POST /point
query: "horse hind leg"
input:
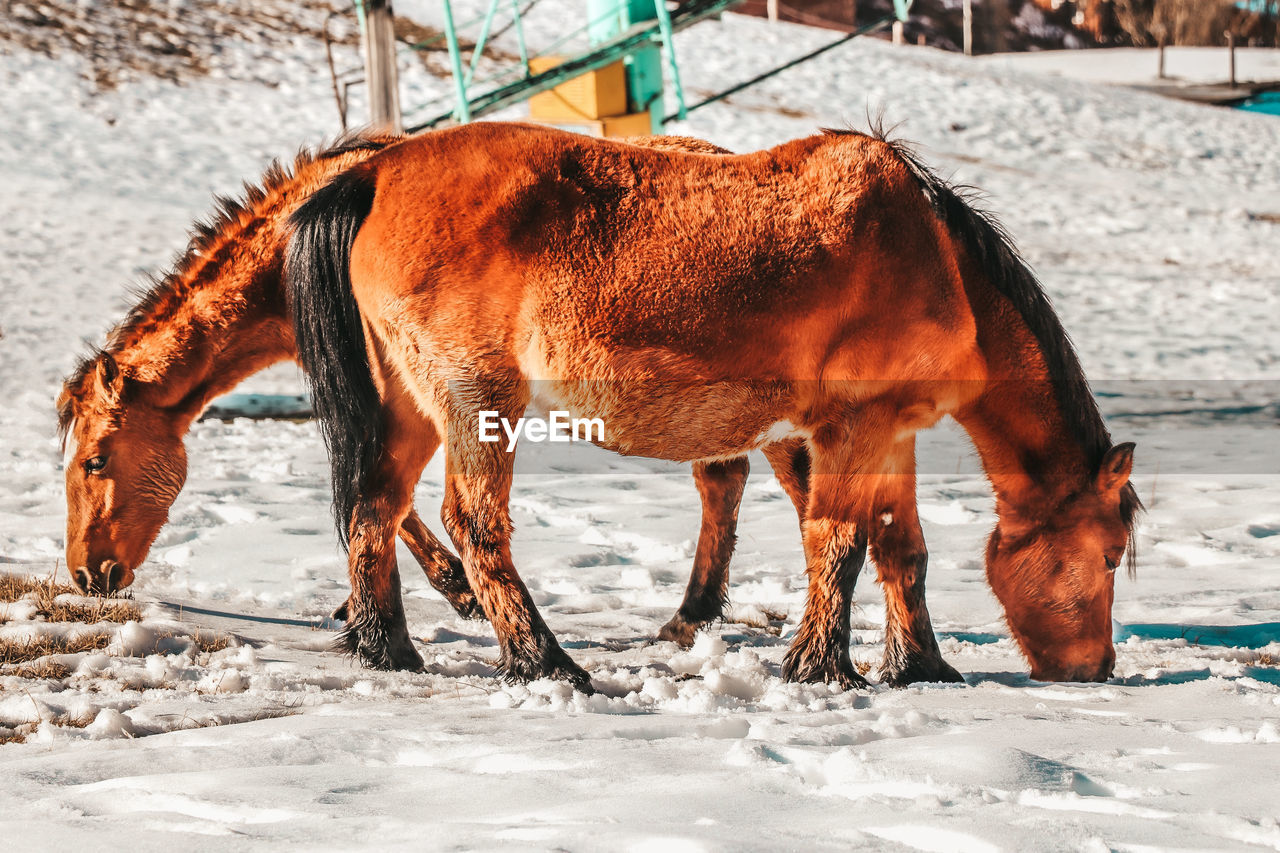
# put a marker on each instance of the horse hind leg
(444, 571)
(898, 550)
(790, 462)
(376, 631)
(720, 486)
(476, 515)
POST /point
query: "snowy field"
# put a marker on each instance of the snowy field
(213, 718)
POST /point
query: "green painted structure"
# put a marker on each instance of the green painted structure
(638, 32)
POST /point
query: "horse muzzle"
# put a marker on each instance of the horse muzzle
(111, 576)
(1101, 671)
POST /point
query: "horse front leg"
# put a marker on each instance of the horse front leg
(720, 486)
(476, 515)
(898, 550)
(835, 547)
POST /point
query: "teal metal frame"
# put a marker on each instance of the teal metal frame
(659, 31)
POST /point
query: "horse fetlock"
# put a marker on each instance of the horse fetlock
(456, 589)
(466, 605)
(378, 640)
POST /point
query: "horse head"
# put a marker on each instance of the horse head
(124, 464)
(1055, 575)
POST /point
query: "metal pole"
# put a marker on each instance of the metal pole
(478, 50)
(524, 51)
(968, 27)
(380, 66)
(463, 111)
(669, 43)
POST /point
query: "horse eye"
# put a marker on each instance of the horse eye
(94, 465)
(1112, 565)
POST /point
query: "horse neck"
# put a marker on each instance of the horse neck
(1017, 422)
(229, 323)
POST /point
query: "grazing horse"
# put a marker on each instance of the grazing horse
(831, 289)
(219, 317)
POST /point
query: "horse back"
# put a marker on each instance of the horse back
(772, 259)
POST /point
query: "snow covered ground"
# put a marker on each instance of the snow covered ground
(1154, 225)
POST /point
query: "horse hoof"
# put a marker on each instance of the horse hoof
(379, 645)
(679, 631)
(554, 664)
(823, 671)
(921, 670)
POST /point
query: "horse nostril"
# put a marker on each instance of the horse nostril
(113, 575)
(82, 579)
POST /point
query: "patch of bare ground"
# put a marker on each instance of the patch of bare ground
(126, 39)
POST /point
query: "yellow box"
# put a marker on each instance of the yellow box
(591, 95)
(633, 124)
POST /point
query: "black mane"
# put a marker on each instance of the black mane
(991, 248)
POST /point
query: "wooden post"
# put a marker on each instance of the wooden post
(1160, 68)
(380, 66)
(898, 36)
(968, 27)
(1231, 52)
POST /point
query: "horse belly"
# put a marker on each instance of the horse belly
(677, 421)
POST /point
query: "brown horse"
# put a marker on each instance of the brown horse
(831, 289)
(221, 316)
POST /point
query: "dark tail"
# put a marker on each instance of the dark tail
(331, 345)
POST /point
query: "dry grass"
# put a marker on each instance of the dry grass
(773, 625)
(15, 587)
(862, 666)
(39, 669)
(45, 592)
(29, 649)
(19, 732)
(210, 641)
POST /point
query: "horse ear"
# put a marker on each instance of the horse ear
(1116, 467)
(110, 381)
